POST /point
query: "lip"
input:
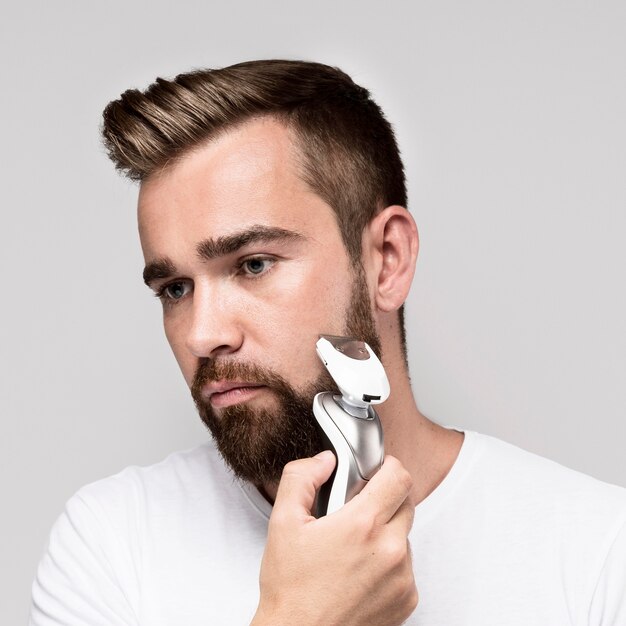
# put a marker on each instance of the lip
(226, 392)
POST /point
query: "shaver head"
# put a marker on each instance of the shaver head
(355, 368)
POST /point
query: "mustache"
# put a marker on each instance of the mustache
(214, 370)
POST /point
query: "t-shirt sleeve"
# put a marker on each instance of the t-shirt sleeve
(608, 607)
(76, 582)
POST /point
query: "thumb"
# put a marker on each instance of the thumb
(299, 482)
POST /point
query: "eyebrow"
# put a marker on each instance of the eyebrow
(208, 249)
(158, 270)
(227, 244)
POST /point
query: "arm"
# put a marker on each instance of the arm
(352, 567)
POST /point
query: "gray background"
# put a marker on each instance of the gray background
(511, 118)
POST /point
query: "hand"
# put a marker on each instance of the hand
(352, 567)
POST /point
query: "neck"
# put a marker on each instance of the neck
(426, 449)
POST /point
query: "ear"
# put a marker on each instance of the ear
(390, 247)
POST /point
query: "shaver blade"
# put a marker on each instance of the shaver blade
(349, 346)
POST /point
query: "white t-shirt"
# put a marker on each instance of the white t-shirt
(508, 538)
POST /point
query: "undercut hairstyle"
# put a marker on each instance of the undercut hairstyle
(347, 149)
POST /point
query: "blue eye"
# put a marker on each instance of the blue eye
(256, 265)
(174, 291)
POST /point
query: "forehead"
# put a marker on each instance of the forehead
(247, 175)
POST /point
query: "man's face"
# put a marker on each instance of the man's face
(251, 269)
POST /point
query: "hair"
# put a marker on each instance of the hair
(349, 155)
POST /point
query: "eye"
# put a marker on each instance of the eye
(174, 291)
(256, 265)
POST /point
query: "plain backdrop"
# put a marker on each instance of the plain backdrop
(511, 117)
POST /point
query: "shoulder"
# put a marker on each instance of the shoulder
(114, 533)
(113, 516)
(580, 516)
(570, 526)
(100, 540)
(515, 470)
(187, 476)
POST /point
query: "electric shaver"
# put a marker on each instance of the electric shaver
(348, 424)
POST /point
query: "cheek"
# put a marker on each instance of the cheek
(308, 298)
(292, 316)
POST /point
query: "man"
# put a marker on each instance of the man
(272, 209)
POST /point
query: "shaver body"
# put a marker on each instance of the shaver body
(356, 441)
(348, 424)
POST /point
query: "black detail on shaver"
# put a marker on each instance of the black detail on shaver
(368, 398)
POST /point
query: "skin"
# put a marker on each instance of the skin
(247, 177)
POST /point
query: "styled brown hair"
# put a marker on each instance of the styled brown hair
(349, 153)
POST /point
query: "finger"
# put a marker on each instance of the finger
(384, 493)
(403, 518)
(299, 482)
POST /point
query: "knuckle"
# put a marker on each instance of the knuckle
(363, 526)
(294, 474)
(409, 555)
(410, 596)
(392, 463)
(404, 478)
(293, 468)
(401, 475)
(278, 519)
(411, 511)
(394, 552)
(412, 599)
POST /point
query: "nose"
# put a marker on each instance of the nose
(214, 328)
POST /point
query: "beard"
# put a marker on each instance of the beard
(257, 443)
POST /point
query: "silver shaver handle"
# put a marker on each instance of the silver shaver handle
(357, 443)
